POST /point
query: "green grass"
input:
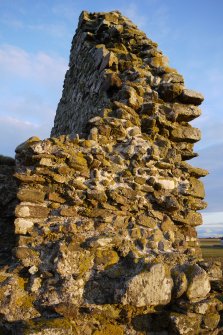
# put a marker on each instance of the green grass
(212, 249)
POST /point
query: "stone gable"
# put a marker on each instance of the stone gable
(108, 205)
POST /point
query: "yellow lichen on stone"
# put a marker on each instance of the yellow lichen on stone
(51, 324)
(2, 278)
(106, 257)
(110, 330)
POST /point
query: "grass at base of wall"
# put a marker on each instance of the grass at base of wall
(212, 248)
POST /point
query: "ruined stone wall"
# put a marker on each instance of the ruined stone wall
(8, 202)
(106, 221)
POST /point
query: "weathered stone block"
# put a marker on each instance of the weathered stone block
(185, 112)
(37, 211)
(29, 178)
(191, 97)
(198, 283)
(170, 91)
(31, 195)
(196, 188)
(22, 226)
(15, 302)
(150, 288)
(211, 321)
(185, 324)
(187, 134)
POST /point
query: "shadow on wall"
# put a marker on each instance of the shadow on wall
(123, 283)
(8, 202)
(108, 286)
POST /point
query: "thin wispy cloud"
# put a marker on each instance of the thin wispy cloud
(160, 21)
(12, 22)
(28, 109)
(31, 111)
(14, 130)
(155, 21)
(215, 80)
(211, 129)
(213, 218)
(210, 159)
(16, 122)
(132, 12)
(57, 30)
(40, 66)
(207, 232)
(213, 225)
(209, 80)
(68, 12)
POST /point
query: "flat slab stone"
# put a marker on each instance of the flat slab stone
(191, 97)
(186, 134)
(186, 112)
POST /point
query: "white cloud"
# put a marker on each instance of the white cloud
(215, 218)
(212, 226)
(16, 122)
(29, 108)
(14, 131)
(214, 232)
(14, 60)
(31, 86)
(41, 66)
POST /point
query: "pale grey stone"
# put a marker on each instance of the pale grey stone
(22, 226)
(149, 288)
(198, 283)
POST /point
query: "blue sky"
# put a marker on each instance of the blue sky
(35, 39)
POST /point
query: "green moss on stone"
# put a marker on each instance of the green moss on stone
(110, 330)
